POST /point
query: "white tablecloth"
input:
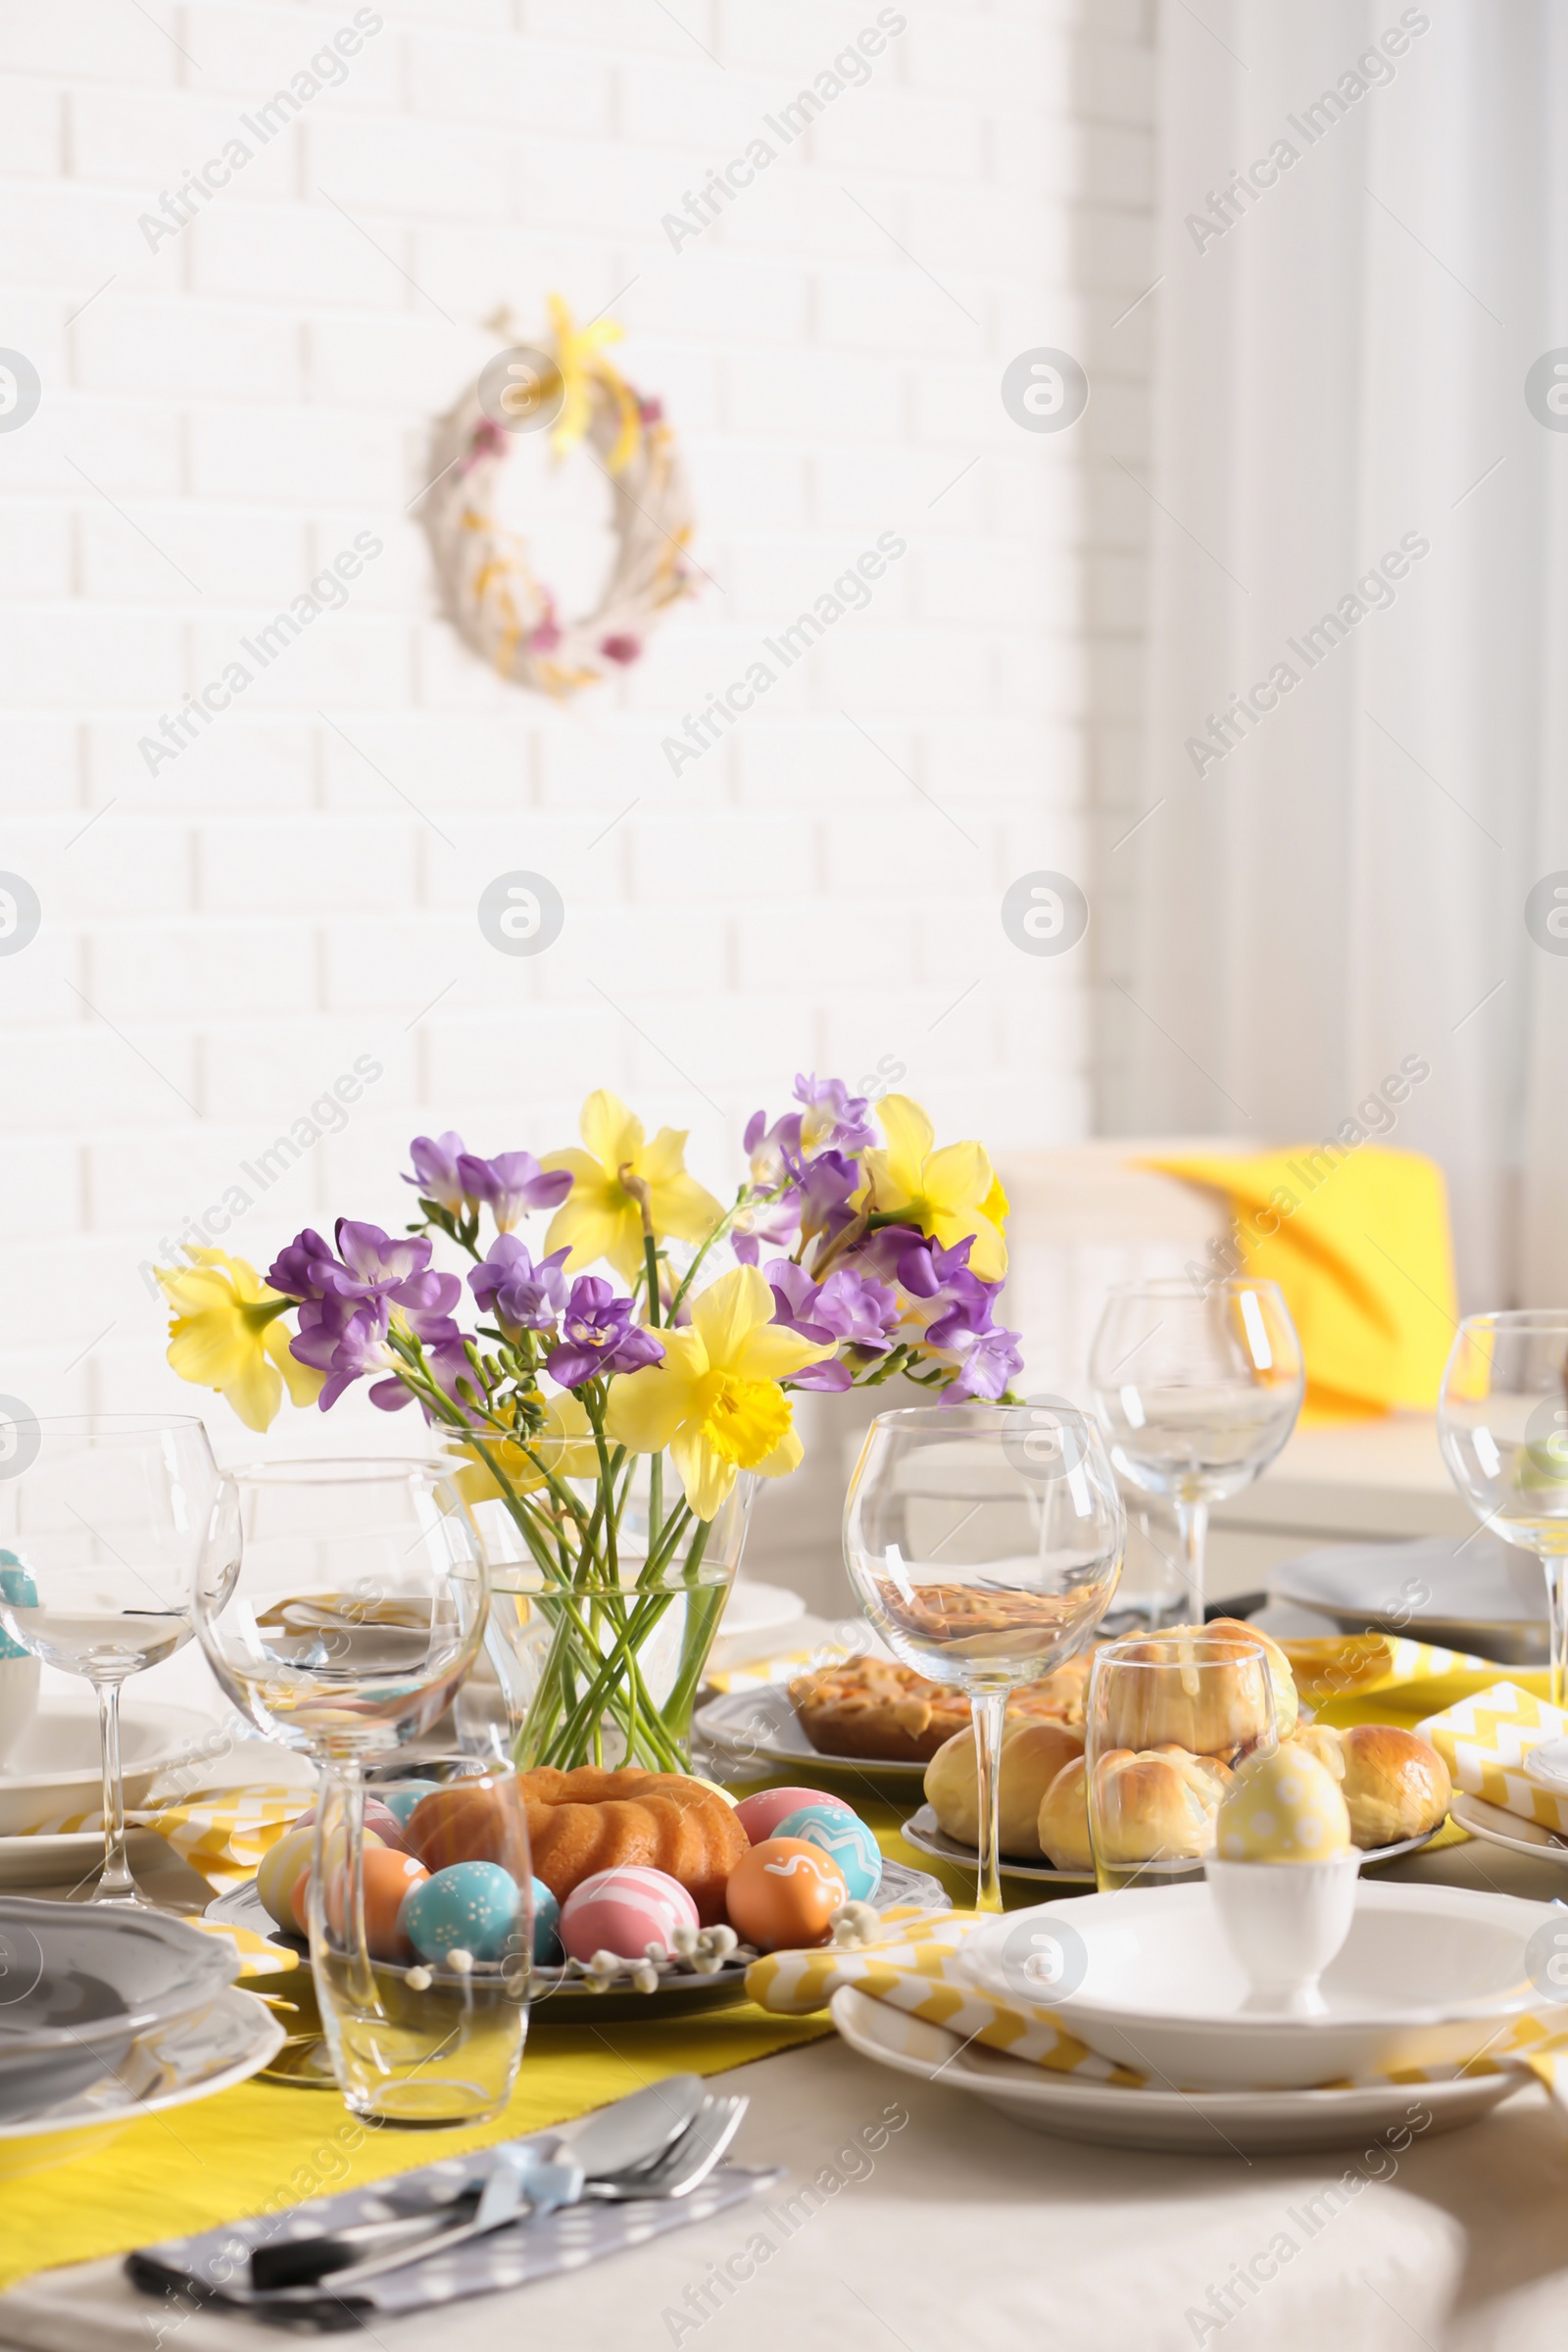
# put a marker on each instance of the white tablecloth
(966, 2230)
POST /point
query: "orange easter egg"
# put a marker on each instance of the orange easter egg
(299, 1894)
(782, 1895)
(388, 1878)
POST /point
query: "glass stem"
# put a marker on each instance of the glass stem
(988, 1708)
(1553, 1566)
(350, 1782)
(1191, 1525)
(117, 1886)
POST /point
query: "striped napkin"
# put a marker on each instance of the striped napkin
(1483, 1742)
(914, 1967)
(223, 1833)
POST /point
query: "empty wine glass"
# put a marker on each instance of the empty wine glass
(1197, 1390)
(1503, 1423)
(984, 1543)
(103, 1518)
(1168, 1718)
(340, 1605)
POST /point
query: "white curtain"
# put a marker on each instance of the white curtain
(1333, 886)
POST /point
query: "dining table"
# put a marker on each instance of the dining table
(903, 2213)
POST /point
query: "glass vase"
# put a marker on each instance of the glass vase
(606, 1597)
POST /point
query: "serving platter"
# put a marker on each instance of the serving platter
(1205, 2122)
(559, 1998)
(760, 1728)
(1499, 1827)
(926, 1835)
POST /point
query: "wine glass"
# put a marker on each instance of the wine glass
(1197, 1390)
(103, 1519)
(1503, 1423)
(1168, 1718)
(340, 1605)
(984, 1543)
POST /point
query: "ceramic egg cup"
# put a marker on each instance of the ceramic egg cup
(1284, 1921)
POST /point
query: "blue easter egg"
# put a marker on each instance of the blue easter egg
(547, 1948)
(845, 1838)
(399, 1802)
(470, 1906)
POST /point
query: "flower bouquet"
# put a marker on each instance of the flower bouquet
(606, 1435)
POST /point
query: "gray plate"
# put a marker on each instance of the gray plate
(1471, 1593)
(923, 1832)
(560, 1999)
(760, 1728)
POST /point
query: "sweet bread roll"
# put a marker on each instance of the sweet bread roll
(1032, 1755)
(1153, 1803)
(1393, 1784)
(1201, 1702)
(1063, 1828)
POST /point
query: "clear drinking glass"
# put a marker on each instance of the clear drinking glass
(1167, 1719)
(984, 1543)
(1503, 1423)
(341, 1604)
(426, 2019)
(1197, 1390)
(104, 1517)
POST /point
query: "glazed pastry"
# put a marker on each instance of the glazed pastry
(1032, 1755)
(1395, 1786)
(1153, 1804)
(871, 1707)
(1213, 1713)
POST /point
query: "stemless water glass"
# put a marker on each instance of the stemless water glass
(984, 1543)
(104, 1516)
(340, 1605)
(1197, 1390)
(1503, 1423)
(1169, 1717)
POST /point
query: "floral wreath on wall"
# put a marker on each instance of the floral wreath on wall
(490, 591)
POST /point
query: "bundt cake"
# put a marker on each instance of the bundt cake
(589, 1819)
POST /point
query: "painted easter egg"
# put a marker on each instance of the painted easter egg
(624, 1911)
(760, 1815)
(389, 1878)
(479, 1820)
(281, 1866)
(401, 1801)
(377, 1817)
(299, 1894)
(470, 1906)
(845, 1838)
(547, 1948)
(782, 1895)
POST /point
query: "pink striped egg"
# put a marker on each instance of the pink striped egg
(624, 1911)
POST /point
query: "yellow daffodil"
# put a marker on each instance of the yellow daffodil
(716, 1400)
(227, 1335)
(949, 1194)
(599, 1217)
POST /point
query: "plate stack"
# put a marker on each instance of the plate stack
(111, 2013)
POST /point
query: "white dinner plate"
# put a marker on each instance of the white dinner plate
(926, 1835)
(1470, 1592)
(1206, 2123)
(183, 2062)
(1428, 1976)
(757, 1609)
(1501, 1828)
(759, 1727)
(56, 1767)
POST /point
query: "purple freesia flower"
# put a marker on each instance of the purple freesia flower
(847, 1308)
(953, 1314)
(773, 1151)
(343, 1339)
(522, 1293)
(349, 1302)
(511, 1184)
(599, 1336)
(829, 1184)
(296, 1270)
(833, 1117)
(987, 1362)
(435, 1168)
(759, 1220)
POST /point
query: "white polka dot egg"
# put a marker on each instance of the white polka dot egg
(470, 1907)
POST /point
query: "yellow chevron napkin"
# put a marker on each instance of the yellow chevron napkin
(223, 1833)
(1483, 1742)
(913, 1967)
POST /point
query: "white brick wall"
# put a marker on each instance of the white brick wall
(224, 412)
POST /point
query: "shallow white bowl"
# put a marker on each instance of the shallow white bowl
(55, 1767)
(18, 1701)
(1427, 1977)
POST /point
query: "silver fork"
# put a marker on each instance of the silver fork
(683, 2168)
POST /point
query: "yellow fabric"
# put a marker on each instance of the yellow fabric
(1484, 1740)
(913, 1970)
(223, 1833)
(1360, 1244)
(262, 2147)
